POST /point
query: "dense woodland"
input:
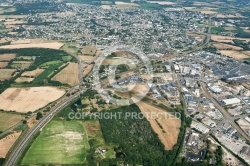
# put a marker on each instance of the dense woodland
(136, 142)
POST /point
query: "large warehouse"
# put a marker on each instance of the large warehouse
(231, 101)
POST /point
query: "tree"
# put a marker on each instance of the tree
(39, 115)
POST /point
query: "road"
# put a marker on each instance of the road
(223, 111)
(15, 154)
(12, 159)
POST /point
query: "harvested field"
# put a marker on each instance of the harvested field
(6, 74)
(13, 119)
(53, 45)
(222, 46)
(87, 70)
(208, 12)
(226, 39)
(31, 41)
(60, 143)
(28, 99)
(235, 54)
(166, 126)
(33, 73)
(21, 64)
(162, 3)
(68, 75)
(107, 7)
(7, 57)
(89, 50)
(7, 142)
(87, 58)
(24, 79)
(3, 64)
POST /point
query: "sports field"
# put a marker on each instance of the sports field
(60, 142)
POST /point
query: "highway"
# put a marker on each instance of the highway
(12, 159)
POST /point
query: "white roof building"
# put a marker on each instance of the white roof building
(231, 101)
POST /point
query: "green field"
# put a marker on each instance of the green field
(8, 120)
(46, 73)
(60, 142)
(47, 64)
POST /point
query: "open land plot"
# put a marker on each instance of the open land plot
(28, 99)
(7, 57)
(12, 119)
(227, 39)
(166, 128)
(3, 64)
(162, 2)
(87, 58)
(31, 41)
(244, 124)
(235, 54)
(60, 142)
(222, 46)
(89, 50)
(21, 64)
(7, 142)
(24, 79)
(68, 75)
(6, 74)
(87, 70)
(53, 45)
(33, 73)
(208, 12)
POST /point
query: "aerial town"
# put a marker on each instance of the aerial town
(189, 60)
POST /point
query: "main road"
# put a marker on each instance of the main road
(13, 157)
(223, 111)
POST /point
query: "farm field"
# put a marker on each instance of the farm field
(89, 50)
(28, 99)
(7, 57)
(7, 142)
(87, 70)
(21, 64)
(68, 75)
(236, 54)
(13, 119)
(166, 128)
(24, 79)
(222, 46)
(226, 39)
(86, 58)
(3, 64)
(53, 45)
(33, 73)
(6, 74)
(46, 73)
(60, 142)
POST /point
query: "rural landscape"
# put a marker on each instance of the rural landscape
(128, 82)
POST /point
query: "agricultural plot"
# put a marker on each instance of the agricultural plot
(60, 142)
(87, 58)
(53, 45)
(3, 64)
(166, 126)
(6, 74)
(46, 73)
(28, 99)
(89, 50)
(7, 57)
(50, 63)
(87, 70)
(24, 79)
(68, 75)
(21, 64)
(13, 119)
(33, 73)
(7, 142)
(222, 46)
(236, 54)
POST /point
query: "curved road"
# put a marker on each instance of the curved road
(12, 159)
